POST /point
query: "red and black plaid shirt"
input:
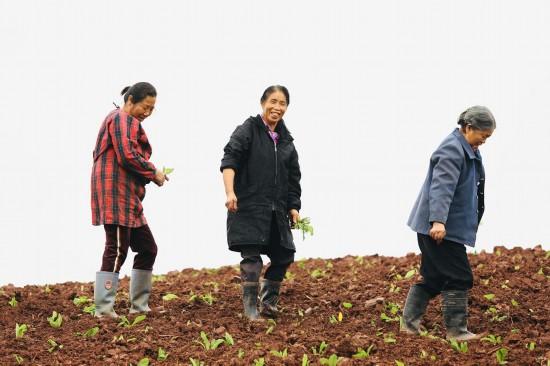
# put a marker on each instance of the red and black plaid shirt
(120, 172)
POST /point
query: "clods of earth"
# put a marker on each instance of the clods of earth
(342, 311)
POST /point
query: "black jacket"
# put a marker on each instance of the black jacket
(267, 179)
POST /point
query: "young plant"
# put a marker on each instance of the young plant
(18, 359)
(55, 320)
(209, 344)
(319, 351)
(347, 305)
(304, 224)
(89, 333)
(143, 362)
(208, 299)
(169, 297)
(259, 362)
(318, 273)
(280, 354)
(389, 338)
(272, 323)
(20, 330)
(333, 360)
(305, 360)
(335, 319)
(530, 346)
(81, 300)
(90, 309)
(167, 171)
(240, 353)
(399, 363)
(125, 323)
(162, 355)
(361, 353)
(54, 345)
(196, 362)
(489, 297)
(502, 355)
(461, 347)
(228, 339)
(13, 302)
(491, 338)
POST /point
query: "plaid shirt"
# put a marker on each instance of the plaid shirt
(120, 172)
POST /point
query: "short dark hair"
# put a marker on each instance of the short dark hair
(477, 117)
(272, 89)
(139, 91)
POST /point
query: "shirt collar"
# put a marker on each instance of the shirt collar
(469, 150)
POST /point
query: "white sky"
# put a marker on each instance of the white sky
(375, 86)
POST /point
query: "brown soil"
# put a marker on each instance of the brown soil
(315, 291)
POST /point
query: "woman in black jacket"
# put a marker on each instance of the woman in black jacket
(261, 175)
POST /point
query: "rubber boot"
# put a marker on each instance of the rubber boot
(455, 314)
(105, 287)
(250, 300)
(140, 290)
(415, 308)
(269, 298)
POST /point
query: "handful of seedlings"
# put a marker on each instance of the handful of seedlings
(304, 224)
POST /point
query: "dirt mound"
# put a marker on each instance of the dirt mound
(331, 310)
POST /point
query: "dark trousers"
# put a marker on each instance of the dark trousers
(281, 258)
(119, 239)
(444, 266)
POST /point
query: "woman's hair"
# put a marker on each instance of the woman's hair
(478, 117)
(139, 91)
(272, 89)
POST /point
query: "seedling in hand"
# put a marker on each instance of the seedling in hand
(167, 171)
(304, 224)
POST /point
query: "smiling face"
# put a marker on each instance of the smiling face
(274, 107)
(142, 109)
(476, 137)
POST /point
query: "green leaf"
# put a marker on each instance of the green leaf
(138, 319)
(305, 361)
(347, 305)
(162, 354)
(55, 320)
(169, 297)
(91, 332)
(399, 363)
(229, 339)
(410, 274)
(20, 330)
(13, 302)
(143, 362)
(489, 296)
(18, 359)
(167, 171)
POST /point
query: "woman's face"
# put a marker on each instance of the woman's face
(476, 137)
(274, 107)
(143, 109)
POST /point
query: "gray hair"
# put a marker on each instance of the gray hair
(477, 117)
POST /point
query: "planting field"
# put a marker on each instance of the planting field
(342, 311)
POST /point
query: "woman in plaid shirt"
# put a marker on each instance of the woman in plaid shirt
(120, 172)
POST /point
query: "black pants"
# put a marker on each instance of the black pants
(281, 258)
(444, 266)
(119, 239)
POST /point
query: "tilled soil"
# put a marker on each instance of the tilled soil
(338, 301)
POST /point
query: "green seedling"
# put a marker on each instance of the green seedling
(18, 359)
(304, 224)
(259, 362)
(399, 363)
(158, 278)
(89, 333)
(301, 264)
(90, 309)
(501, 355)
(410, 274)
(228, 339)
(272, 323)
(208, 299)
(167, 171)
(495, 316)
(196, 362)
(13, 302)
(54, 346)
(321, 350)
(143, 362)
(81, 300)
(335, 319)
(169, 297)
(55, 320)
(47, 289)
(192, 297)
(389, 338)
(305, 360)
(333, 360)
(531, 346)
(347, 305)
(361, 353)
(240, 353)
(162, 355)
(489, 297)
(461, 347)
(125, 323)
(209, 344)
(491, 338)
(289, 276)
(318, 273)
(20, 330)
(394, 289)
(388, 319)
(280, 354)
(515, 303)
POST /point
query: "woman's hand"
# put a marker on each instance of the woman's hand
(231, 202)
(294, 217)
(438, 232)
(159, 178)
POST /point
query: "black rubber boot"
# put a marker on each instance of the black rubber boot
(269, 298)
(455, 314)
(415, 308)
(250, 300)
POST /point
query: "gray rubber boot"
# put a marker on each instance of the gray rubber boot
(140, 290)
(269, 298)
(455, 314)
(415, 308)
(250, 300)
(105, 287)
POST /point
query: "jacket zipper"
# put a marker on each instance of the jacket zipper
(276, 171)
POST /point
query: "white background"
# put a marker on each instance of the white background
(375, 87)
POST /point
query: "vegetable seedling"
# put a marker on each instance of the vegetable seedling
(489, 296)
(347, 305)
(530, 346)
(228, 339)
(502, 355)
(169, 297)
(81, 300)
(259, 362)
(55, 320)
(13, 302)
(333, 360)
(319, 351)
(20, 330)
(280, 354)
(304, 225)
(209, 344)
(305, 360)
(196, 362)
(491, 338)
(162, 355)
(54, 345)
(461, 347)
(361, 353)
(399, 363)
(143, 362)
(167, 171)
(18, 359)
(240, 353)
(90, 309)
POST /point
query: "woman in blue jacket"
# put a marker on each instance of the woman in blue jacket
(446, 216)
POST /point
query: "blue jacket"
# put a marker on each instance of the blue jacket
(452, 192)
